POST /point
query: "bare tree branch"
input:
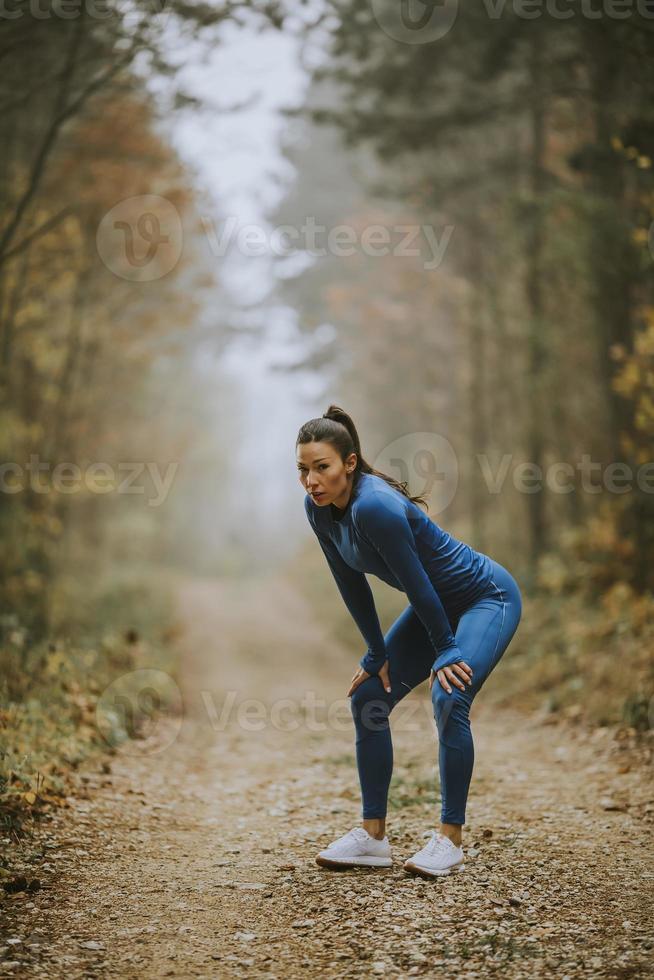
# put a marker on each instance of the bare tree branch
(64, 113)
(41, 230)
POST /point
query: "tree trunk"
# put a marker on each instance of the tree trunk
(536, 341)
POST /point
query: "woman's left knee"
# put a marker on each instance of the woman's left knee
(446, 705)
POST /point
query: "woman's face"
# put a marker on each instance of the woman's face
(323, 474)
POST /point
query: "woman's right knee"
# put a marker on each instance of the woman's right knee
(370, 708)
(366, 691)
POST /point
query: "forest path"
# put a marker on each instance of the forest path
(195, 856)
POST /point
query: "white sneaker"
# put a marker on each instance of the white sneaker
(354, 848)
(439, 856)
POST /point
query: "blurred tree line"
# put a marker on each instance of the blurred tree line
(95, 359)
(532, 140)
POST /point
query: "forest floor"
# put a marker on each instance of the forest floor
(192, 852)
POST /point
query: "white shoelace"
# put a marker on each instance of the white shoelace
(438, 842)
(358, 833)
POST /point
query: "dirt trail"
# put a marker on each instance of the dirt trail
(194, 857)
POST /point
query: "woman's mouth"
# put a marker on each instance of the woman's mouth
(317, 495)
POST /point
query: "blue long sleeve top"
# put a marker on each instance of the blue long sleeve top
(384, 533)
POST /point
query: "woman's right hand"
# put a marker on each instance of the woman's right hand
(361, 675)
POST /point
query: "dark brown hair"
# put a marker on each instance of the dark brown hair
(337, 428)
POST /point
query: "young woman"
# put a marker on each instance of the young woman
(463, 611)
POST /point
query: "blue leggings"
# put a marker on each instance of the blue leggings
(483, 633)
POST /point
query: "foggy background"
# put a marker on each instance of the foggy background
(470, 198)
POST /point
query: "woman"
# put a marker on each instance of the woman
(463, 611)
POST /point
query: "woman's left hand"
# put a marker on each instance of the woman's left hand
(446, 676)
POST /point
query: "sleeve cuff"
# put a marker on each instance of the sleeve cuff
(450, 656)
(372, 662)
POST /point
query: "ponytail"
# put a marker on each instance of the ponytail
(337, 428)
